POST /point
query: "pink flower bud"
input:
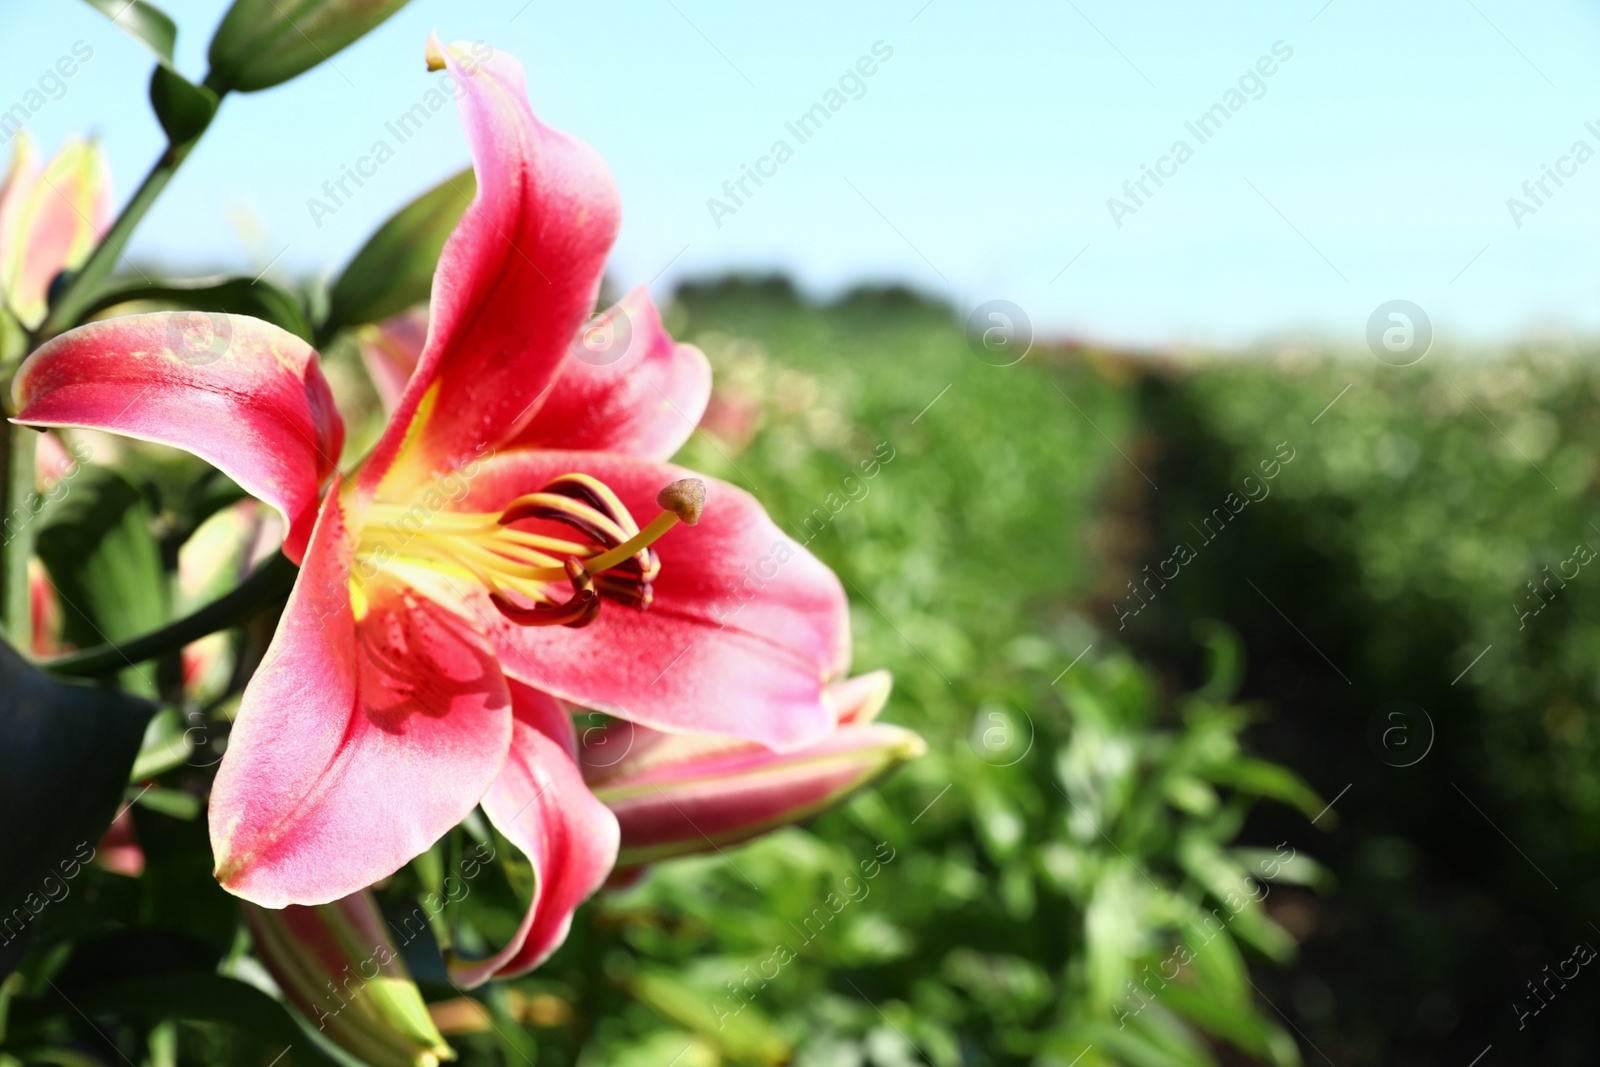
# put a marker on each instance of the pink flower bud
(679, 793)
(51, 217)
(336, 964)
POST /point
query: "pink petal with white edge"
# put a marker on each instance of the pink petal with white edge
(625, 387)
(240, 393)
(359, 743)
(515, 280)
(540, 803)
(746, 629)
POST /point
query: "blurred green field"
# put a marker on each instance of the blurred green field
(1118, 849)
(1065, 833)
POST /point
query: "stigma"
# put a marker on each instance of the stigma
(547, 559)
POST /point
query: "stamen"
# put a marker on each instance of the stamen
(580, 611)
(612, 558)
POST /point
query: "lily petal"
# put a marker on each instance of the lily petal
(360, 741)
(675, 794)
(858, 700)
(240, 393)
(745, 630)
(540, 803)
(515, 280)
(390, 350)
(625, 387)
(712, 800)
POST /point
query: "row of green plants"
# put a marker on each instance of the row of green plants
(1066, 877)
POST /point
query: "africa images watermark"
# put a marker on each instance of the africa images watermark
(1583, 954)
(741, 995)
(1536, 192)
(753, 578)
(403, 128)
(804, 127)
(429, 908)
(1255, 490)
(1203, 128)
(11, 926)
(51, 85)
(1582, 555)
(1144, 992)
(57, 485)
(389, 539)
(855, 491)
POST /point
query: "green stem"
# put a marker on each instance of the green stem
(21, 506)
(269, 581)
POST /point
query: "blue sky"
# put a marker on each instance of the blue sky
(1375, 163)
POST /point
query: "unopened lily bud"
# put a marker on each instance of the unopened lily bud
(336, 964)
(680, 793)
(50, 220)
(262, 43)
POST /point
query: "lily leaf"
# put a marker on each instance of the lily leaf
(394, 269)
(262, 43)
(144, 22)
(65, 752)
(183, 108)
(96, 542)
(236, 296)
(1236, 1024)
(747, 1036)
(262, 1029)
(1265, 779)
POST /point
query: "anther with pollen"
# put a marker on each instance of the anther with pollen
(623, 566)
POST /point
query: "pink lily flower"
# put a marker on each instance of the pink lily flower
(675, 794)
(51, 217)
(485, 561)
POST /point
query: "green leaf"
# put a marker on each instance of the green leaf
(1141, 1042)
(264, 1028)
(142, 21)
(1242, 1027)
(177, 891)
(65, 752)
(13, 339)
(1240, 894)
(183, 108)
(173, 803)
(1112, 933)
(262, 43)
(166, 745)
(1296, 869)
(745, 1035)
(1224, 660)
(1218, 966)
(257, 298)
(394, 269)
(96, 542)
(1269, 780)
